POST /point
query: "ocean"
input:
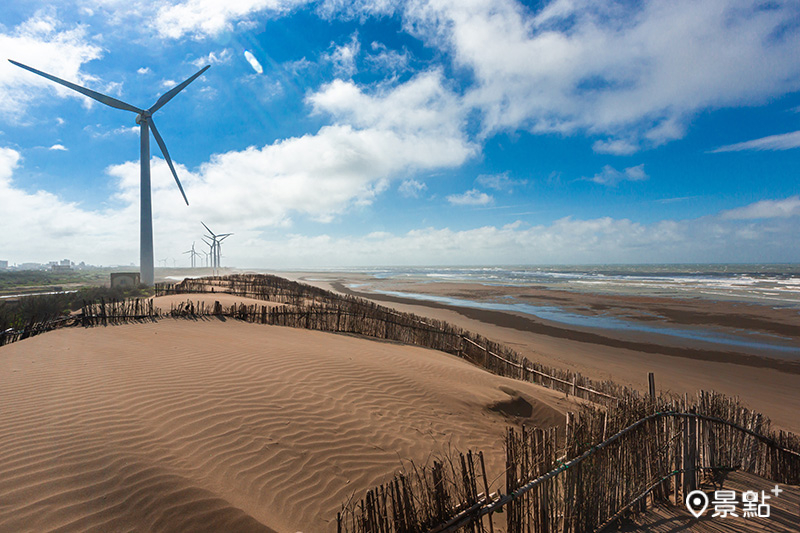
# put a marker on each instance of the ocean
(770, 285)
(775, 285)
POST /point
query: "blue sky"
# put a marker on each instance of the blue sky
(335, 133)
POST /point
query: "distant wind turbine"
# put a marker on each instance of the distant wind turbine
(212, 248)
(194, 254)
(144, 118)
(215, 245)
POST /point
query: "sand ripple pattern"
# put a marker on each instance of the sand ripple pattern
(222, 426)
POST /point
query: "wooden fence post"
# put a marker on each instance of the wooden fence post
(689, 455)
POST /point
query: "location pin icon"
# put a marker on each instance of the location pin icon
(697, 502)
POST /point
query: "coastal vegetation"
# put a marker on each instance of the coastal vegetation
(16, 313)
(22, 281)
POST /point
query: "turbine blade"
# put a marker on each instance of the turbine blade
(167, 96)
(211, 232)
(163, 147)
(102, 98)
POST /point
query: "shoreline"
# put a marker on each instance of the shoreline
(526, 323)
(766, 384)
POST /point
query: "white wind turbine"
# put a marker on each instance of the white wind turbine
(216, 246)
(193, 254)
(144, 118)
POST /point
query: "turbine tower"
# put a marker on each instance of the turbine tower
(144, 117)
(194, 254)
(215, 244)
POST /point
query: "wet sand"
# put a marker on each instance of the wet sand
(765, 381)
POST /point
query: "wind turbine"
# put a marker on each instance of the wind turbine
(216, 245)
(193, 254)
(144, 118)
(211, 255)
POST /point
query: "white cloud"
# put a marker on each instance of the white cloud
(785, 141)
(58, 147)
(788, 207)
(214, 58)
(612, 177)
(268, 185)
(143, 70)
(168, 84)
(43, 43)
(344, 57)
(411, 188)
(208, 18)
(253, 62)
(499, 182)
(567, 240)
(470, 197)
(357, 8)
(615, 147)
(634, 71)
(422, 106)
(59, 228)
(375, 138)
(388, 60)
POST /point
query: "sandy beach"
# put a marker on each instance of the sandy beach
(766, 381)
(228, 426)
(214, 424)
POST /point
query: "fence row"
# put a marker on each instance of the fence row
(34, 328)
(587, 483)
(91, 314)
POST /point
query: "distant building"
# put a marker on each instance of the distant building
(3, 265)
(125, 279)
(65, 265)
(31, 266)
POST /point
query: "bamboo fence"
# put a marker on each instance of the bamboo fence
(92, 314)
(34, 328)
(610, 466)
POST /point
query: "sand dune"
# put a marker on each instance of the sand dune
(227, 426)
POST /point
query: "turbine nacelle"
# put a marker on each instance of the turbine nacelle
(143, 116)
